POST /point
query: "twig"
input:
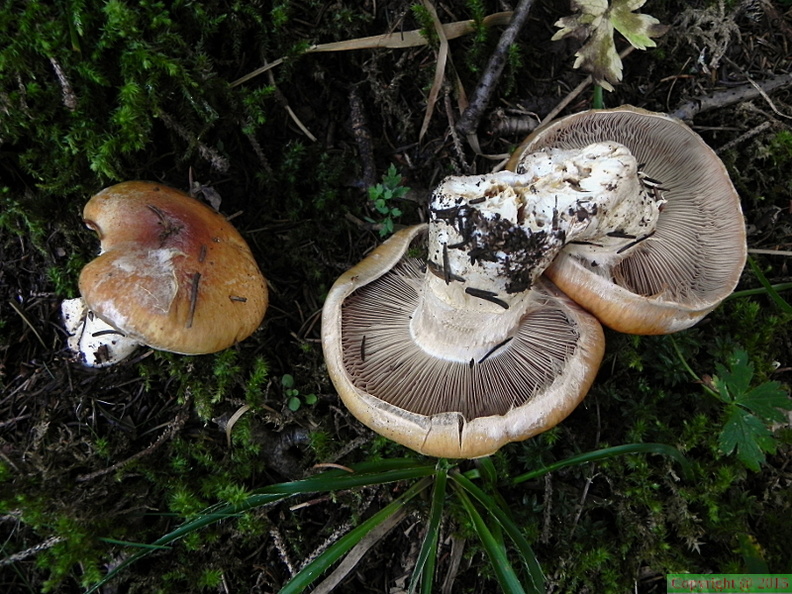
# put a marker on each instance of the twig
(280, 545)
(457, 550)
(743, 137)
(22, 315)
(233, 421)
(47, 544)
(459, 151)
(544, 538)
(362, 135)
(470, 119)
(281, 98)
(770, 252)
(211, 155)
(69, 96)
(718, 99)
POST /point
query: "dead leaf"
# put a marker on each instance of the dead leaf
(595, 24)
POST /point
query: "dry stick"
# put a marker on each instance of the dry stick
(744, 137)
(481, 96)
(34, 550)
(25, 319)
(280, 546)
(362, 135)
(214, 158)
(784, 253)
(69, 97)
(457, 549)
(752, 90)
(281, 98)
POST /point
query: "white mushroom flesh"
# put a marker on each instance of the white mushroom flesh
(94, 342)
(491, 236)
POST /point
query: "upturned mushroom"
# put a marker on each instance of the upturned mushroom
(469, 349)
(172, 274)
(677, 272)
(441, 401)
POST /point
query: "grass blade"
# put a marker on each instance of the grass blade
(760, 291)
(495, 550)
(424, 566)
(315, 568)
(141, 545)
(771, 292)
(368, 473)
(633, 448)
(503, 517)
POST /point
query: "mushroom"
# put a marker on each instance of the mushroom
(471, 349)
(680, 271)
(172, 274)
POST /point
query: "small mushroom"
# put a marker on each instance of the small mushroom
(469, 349)
(671, 276)
(172, 274)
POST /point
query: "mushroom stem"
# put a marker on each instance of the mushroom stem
(491, 236)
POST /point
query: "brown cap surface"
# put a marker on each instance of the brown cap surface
(172, 273)
(441, 407)
(695, 257)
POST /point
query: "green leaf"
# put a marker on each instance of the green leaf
(747, 435)
(782, 304)
(363, 474)
(766, 401)
(737, 378)
(294, 404)
(287, 381)
(536, 582)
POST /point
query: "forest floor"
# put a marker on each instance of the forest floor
(96, 463)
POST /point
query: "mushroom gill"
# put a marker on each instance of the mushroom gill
(382, 357)
(694, 258)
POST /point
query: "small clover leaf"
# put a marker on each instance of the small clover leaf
(595, 23)
(382, 196)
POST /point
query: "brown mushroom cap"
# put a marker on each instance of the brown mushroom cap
(172, 273)
(448, 408)
(695, 257)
